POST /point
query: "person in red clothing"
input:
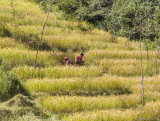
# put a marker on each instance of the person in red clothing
(68, 62)
(79, 59)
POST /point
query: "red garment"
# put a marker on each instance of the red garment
(79, 59)
(68, 62)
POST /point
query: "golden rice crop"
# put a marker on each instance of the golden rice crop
(123, 46)
(75, 41)
(30, 29)
(79, 86)
(26, 72)
(33, 16)
(60, 31)
(94, 86)
(153, 95)
(104, 115)
(31, 20)
(8, 43)
(66, 43)
(67, 104)
(103, 54)
(121, 40)
(27, 57)
(149, 112)
(128, 67)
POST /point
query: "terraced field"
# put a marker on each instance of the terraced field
(106, 87)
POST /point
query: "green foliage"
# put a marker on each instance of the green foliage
(1, 59)
(69, 6)
(10, 86)
(120, 17)
(4, 31)
(83, 10)
(132, 18)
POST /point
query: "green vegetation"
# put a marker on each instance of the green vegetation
(120, 17)
(10, 86)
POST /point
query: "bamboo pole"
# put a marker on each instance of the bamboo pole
(157, 59)
(42, 34)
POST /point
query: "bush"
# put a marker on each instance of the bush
(1, 60)
(10, 86)
(4, 31)
(127, 17)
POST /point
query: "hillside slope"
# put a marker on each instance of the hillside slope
(106, 87)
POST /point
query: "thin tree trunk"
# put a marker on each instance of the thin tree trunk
(45, 6)
(157, 60)
(42, 34)
(147, 50)
(141, 69)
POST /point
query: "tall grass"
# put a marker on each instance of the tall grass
(76, 86)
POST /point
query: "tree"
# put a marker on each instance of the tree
(124, 18)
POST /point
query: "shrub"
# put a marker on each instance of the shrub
(1, 60)
(10, 86)
(4, 31)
